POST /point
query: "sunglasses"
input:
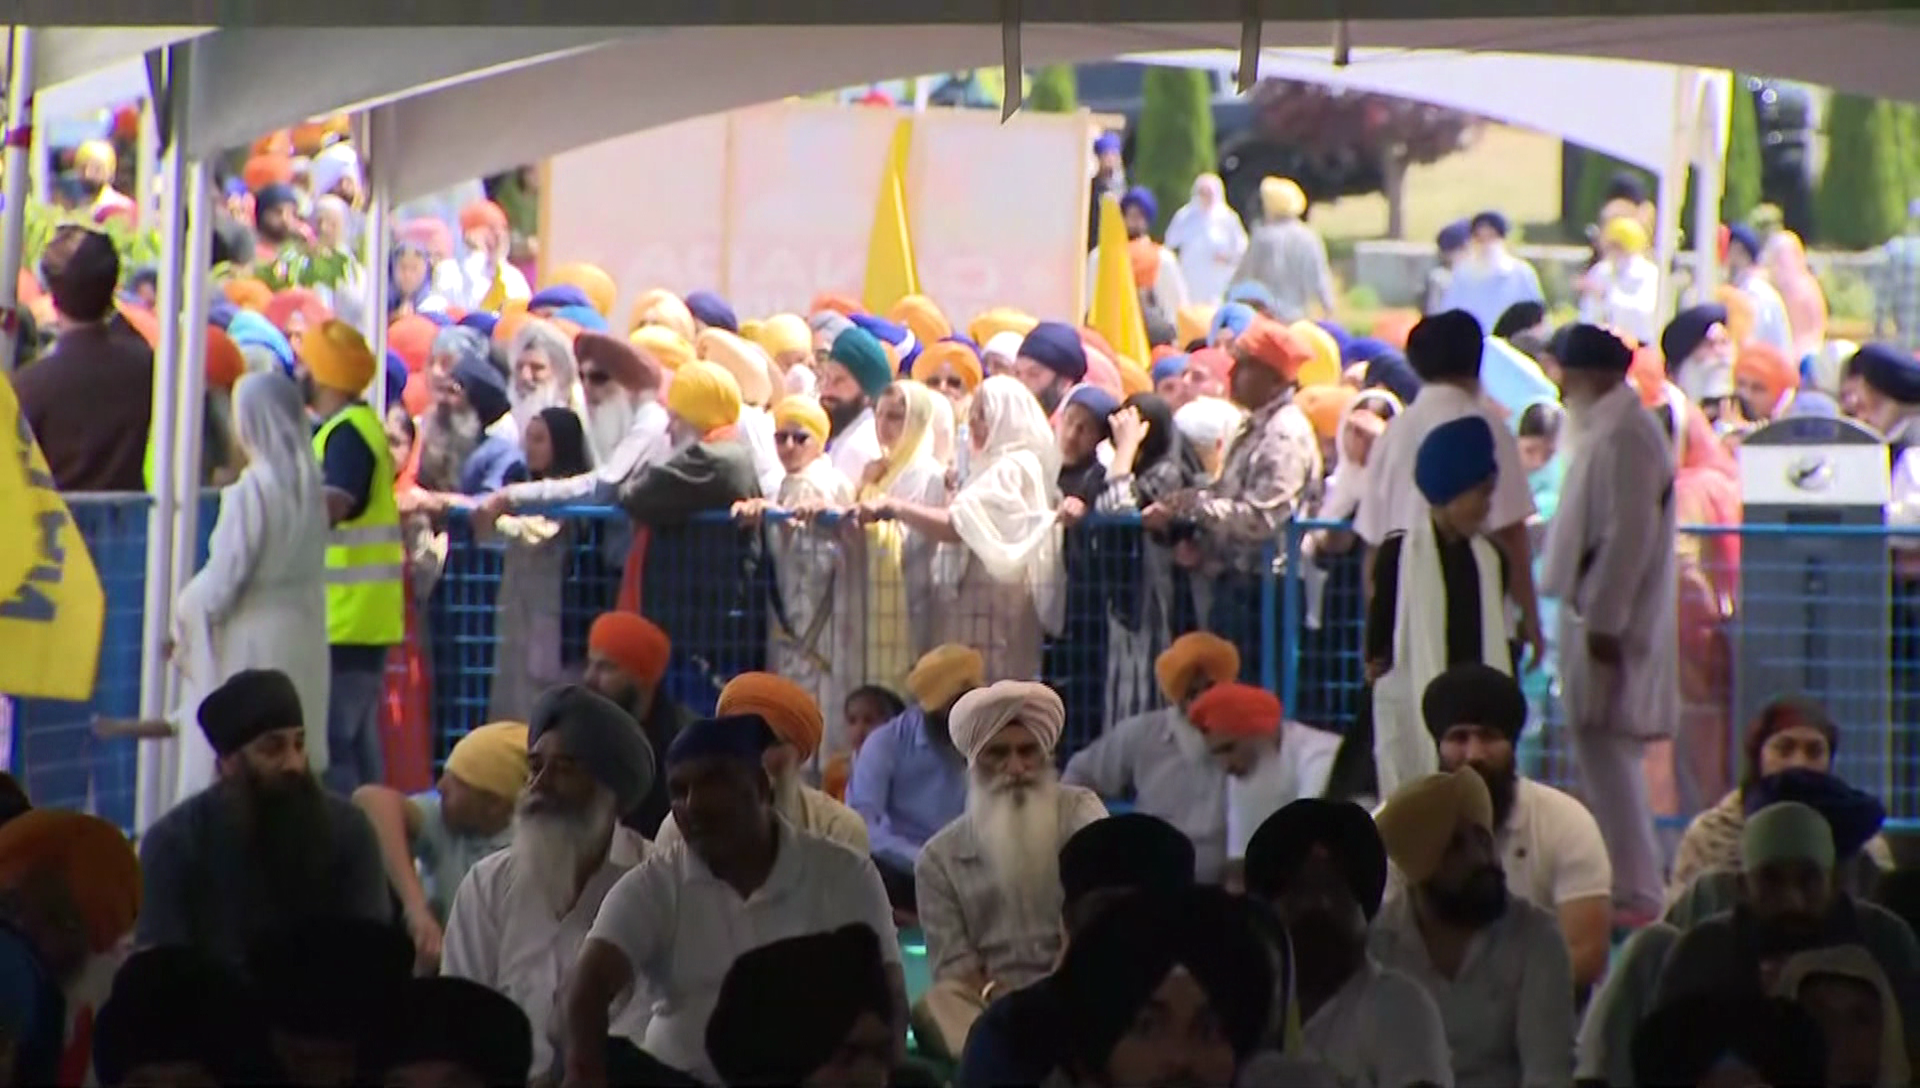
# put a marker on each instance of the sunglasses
(946, 381)
(792, 438)
(595, 377)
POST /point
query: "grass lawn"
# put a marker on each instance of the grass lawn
(1515, 170)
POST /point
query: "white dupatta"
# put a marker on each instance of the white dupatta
(1006, 512)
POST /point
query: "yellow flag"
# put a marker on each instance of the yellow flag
(891, 273)
(50, 623)
(1115, 311)
(496, 296)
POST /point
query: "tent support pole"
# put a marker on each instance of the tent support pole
(19, 152)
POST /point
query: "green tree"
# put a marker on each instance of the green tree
(1742, 192)
(1862, 200)
(1053, 90)
(1175, 141)
(1595, 171)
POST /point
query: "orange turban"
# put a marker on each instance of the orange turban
(225, 364)
(1194, 655)
(591, 279)
(922, 318)
(1134, 379)
(1236, 710)
(510, 323)
(787, 707)
(1763, 363)
(417, 395)
(666, 309)
(840, 304)
(482, 215)
(91, 859)
(338, 358)
(1213, 363)
(632, 642)
(411, 337)
(264, 170)
(279, 142)
(1394, 325)
(1324, 405)
(1649, 376)
(248, 294)
(296, 301)
(1740, 312)
(949, 353)
(1273, 346)
(310, 137)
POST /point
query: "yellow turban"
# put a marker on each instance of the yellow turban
(998, 320)
(1323, 368)
(922, 318)
(783, 333)
(705, 395)
(750, 328)
(744, 359)
(1324, 405)
(948, 353)
(1193, 655)
(1191, 323)
(589, 278)
(338, 357)
(492, 759)
(945, 673)
(98, 154)
(804, 413)
(1282, 198)
(90, 858)
(1134, 379)
(787, 707)
(669, 347)
(1626, 232)
(1418, 822)
(663, 308)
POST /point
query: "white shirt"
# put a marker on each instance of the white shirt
(1552, 850)
(1381, 1030)
(1298, 768)
(1626, 298)
(853, 449)
(680, 928)
(476, 280)
(501, 934)
(1393, 503)
(756, 429)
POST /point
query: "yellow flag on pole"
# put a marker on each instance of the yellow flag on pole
(891, 272)
(1115, 312)
(51, 619)
(496, 296)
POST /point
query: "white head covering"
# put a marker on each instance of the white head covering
(942, 428)
(271, 422)
(1004, 344)
(982, 713)
(1006, 512)
(332, 165)
(563, 388)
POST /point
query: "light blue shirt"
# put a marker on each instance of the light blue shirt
(1487, 291)
(906, 787)
(445, 856)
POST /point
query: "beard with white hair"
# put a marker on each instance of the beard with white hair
(527, 403)
(1018, 825)
(608, 422)
(552, 842)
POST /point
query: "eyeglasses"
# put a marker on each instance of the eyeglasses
(791, 438)
(595, 377)
(946, 381)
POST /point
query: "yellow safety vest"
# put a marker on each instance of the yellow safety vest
(366, 603)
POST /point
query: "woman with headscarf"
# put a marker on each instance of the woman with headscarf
(1208, 238)
(410, 287)
(1785, 260)
(1848, 995)
(1009, 592)
(527, 606)
(260, 600)
(1150, 460)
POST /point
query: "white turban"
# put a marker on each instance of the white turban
(982, 713)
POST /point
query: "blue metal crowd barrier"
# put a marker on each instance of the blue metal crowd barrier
(1116, 585)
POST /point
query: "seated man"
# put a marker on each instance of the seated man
(741, 879)
(1496, 965)
(797, 725)
(627, 656)
(520, 917)
(264, 846)
(909, 781)
(1268, 762)
(1161, 761)
(989, 882)
(1549, 845)
(445, 831)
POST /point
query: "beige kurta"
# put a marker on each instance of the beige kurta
(806, 638)
(527, 612)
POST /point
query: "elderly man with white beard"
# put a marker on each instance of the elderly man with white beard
(988, 884)
(522, 915)
(545, 372)
(626, 425)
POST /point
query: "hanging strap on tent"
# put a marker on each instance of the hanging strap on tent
(1013, 78)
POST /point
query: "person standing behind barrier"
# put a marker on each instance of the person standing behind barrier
(1610, 563)
(366, 606)
(260, 601)
(1285, 256)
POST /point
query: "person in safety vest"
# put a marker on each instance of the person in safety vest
(365, 605)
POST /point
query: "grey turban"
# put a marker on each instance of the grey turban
(604, 738)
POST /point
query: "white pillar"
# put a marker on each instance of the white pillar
(1706, 150)
(19, 147)
(191, 375)
(378, 243)
(147, 154)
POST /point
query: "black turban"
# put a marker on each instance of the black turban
(1888, 371)
(1446, 346)
(1132, 851)
(178, 1005)
(1342, 828)
(1474, 694)
(1682, 1040)
(460, 1021)
(785, 1007)
(1590, 347)
(1688, 330)
(1114, 965)
(251, 704)
(331, 978)
(1854, 814)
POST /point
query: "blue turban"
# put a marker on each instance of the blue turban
(1494, 220)
(1454, 236)
(439, 318)
(891, 333)
(1170, 367)
(1341, 337)
(1251, 293)
(273, 196)
(1098, 402)
(1390, 370)
(744, 737)
(480, 321)
(1888, 371)
(1742, 235)
(1688, 330)
(1456, 457)
(251, 329)
(557, 297)
(396, 378)
(712, 311)
(1141, 197)
(864, 358)
(220, 314)
(1106, 143)
(586, 317)
(1363, 349)
(1855, 815)
(1237, 316)
(485, 389)
(1057, 347)
(1590, 347)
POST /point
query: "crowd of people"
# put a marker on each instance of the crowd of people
(916, 708)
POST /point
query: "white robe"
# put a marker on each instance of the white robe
(259, 603)
(1610, 562)
(1209, 243)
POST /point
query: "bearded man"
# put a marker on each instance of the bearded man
(988, 884)
(545, 372)
(521, 915)
(852, 377)
(452, 429)
(263, 847)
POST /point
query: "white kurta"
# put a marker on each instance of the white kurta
(1209, 243)
(1625, 297)
(260, 602)
(756, 430)
(853, 449)
(804, 643)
